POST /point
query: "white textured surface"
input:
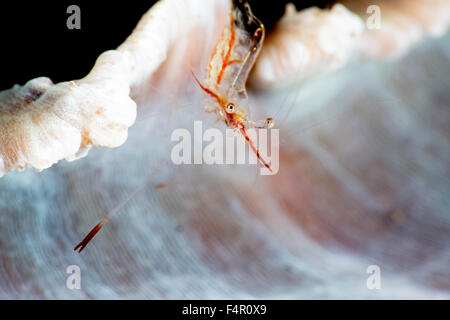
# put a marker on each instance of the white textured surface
(42, 123)
(364, 179)
(373, 143)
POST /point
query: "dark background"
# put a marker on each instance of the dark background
(36, 42)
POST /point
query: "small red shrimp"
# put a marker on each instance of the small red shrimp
(229, 66)
(228, 69)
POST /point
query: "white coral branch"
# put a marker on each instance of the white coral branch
(42, 123)
(314, 40)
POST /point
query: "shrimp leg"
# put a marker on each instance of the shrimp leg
(253, 147)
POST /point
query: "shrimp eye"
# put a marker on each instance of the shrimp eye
(230, 107)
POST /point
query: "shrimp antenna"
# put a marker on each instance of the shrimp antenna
(91, 235)
(109, 216)
(207, 90)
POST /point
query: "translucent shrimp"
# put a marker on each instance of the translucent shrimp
(228, 69)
